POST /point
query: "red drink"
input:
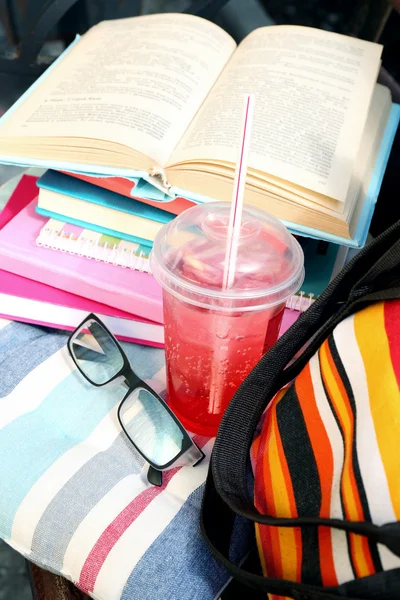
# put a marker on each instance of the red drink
(208, 356)
(214, 337)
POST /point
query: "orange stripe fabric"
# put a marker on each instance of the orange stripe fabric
(324, 458)
(260, 551)
(273, 558)
(377, 333)
(361, 556)
(280, 547)
(384, 395)
(263, 542)
(289, 537)
(268, 544)
(264, 501)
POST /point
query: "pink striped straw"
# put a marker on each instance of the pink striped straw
(235, 217)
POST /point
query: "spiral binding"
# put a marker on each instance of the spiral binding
(300, 301)
(57, 239)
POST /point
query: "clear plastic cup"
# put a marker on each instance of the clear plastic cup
(215, 336)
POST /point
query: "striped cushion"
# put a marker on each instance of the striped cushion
(74, 496)
(329, 447)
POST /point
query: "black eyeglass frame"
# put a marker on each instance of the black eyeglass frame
(135, 383)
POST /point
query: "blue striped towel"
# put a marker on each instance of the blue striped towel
(74, 497)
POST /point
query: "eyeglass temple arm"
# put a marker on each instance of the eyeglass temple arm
(195, 456)
(201, 455)
(154, 476)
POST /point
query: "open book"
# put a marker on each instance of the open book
(163, 94)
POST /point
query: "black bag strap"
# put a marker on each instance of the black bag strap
(373, 275)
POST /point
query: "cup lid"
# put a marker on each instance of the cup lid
(188, 259)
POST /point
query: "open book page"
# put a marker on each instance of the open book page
(371, 142)
(312, 93)
(136, 81)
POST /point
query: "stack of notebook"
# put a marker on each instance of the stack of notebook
(57, 284)
(56, 270)
(85, 204)
(129, 144)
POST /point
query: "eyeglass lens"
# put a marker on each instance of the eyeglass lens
(96, 353)
(150, 427)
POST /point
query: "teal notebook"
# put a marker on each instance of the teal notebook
(320, 259)
(103, 230)
(92, 195)
(149, 186)
(82, 190)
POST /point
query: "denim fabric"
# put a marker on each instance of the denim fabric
(22, 348)
(179, 565)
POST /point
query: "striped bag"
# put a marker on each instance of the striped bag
(319, 427)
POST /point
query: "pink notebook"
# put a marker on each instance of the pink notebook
(127, 290)
(26, 300)
(29, 301)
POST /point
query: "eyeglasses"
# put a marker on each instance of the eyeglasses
(145, 418)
